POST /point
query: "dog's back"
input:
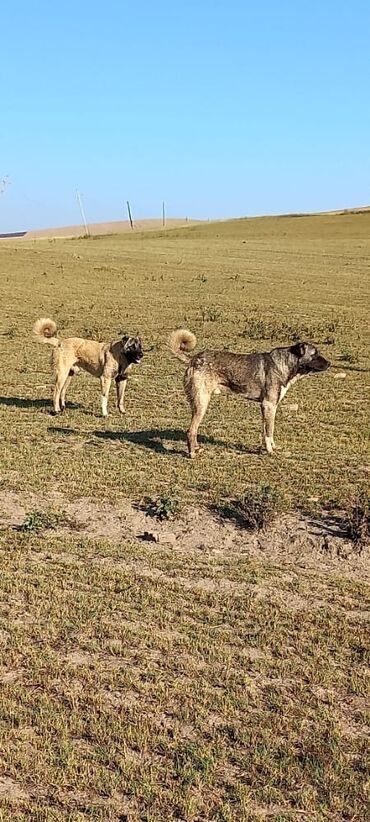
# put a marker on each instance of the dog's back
(240, 373)
(88, 354)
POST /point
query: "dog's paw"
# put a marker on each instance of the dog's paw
(122, 410)
(197, 450)
(269, 445)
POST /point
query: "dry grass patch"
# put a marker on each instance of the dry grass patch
(128, 696)
(358, 519)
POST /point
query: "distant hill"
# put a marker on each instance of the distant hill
(121, 226)
(115, 227)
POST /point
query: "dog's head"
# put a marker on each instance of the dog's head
(132, 349)
(310, 361)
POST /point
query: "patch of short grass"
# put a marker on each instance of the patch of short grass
(261, 328)
(126, 694)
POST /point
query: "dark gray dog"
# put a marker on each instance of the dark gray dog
(264, 378)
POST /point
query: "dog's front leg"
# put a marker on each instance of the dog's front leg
(268, 409)
(121, 383)
(105, 386)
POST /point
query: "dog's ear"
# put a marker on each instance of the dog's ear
(298, 349)
(125, 339)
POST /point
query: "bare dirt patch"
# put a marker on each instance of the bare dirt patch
(11, 790)
(293, 540)
(8, 677)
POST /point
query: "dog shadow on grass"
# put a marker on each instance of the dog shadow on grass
(65, 432)
(155, 439)
(28, 402)
(24, 402)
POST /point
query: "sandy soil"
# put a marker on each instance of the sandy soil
(292, 540)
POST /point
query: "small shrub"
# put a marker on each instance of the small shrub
(346, 356)
(256, 330)
(358, 519)
(210, 315)
(257, 509)
(164, 507)
(36, 521)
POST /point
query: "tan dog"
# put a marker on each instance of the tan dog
(264, 378)
(103, 360)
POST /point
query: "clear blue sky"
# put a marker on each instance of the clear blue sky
(219, 108)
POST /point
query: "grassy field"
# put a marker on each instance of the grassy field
(244, 285)
(145, 682)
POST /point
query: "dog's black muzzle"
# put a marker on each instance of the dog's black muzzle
(319, 364)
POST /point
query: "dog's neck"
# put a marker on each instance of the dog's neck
(286, 375)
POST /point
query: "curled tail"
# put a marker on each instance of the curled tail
(45, 331)
(181, 342)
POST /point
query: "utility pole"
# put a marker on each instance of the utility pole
(79, 200)
(129, 214)
(163, 214)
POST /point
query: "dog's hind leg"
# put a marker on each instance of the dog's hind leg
(199, 397)
(105, 386)
(268, 409)
(63, 392)
(61, 378)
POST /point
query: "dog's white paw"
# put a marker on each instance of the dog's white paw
(194, 453)
(269, 445)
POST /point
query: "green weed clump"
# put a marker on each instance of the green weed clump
(36, 521)
(164, 507)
